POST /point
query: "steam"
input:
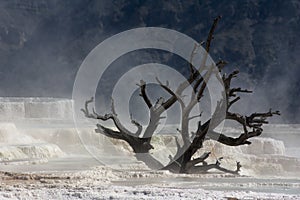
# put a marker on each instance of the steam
(43, 44)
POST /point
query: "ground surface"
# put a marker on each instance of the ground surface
(103, 183)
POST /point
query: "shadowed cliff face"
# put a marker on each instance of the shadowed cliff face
(42, 43)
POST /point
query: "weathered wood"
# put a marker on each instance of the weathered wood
(184, 161)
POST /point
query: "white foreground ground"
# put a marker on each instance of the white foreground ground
(102, 183)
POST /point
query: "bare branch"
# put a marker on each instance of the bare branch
(193, 70)
(233, 101)
(112, 116)
(112, 107)
(221, 64)
(85, 110)
(143, 93)
(241, 140)
(257, 119)
(211, 32)
(138, 125)
(168, 89)
(206, 167)
(233, 91)
(254, 121)
(109, 132)
(227, 80)
(198, 160)
(186, 83)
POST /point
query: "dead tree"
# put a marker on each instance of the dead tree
(183, 161)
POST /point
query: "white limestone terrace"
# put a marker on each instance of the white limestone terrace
(17, 147)
(21, 108)
(39, 130)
